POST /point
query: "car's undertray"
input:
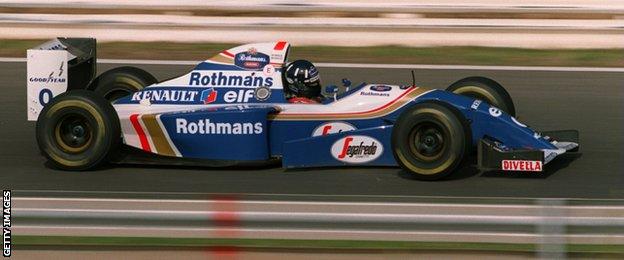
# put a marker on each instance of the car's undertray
(131, 155)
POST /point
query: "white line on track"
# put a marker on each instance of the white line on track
(271, 202)
(318, 203)
(289, 230)
(371, 65)
(305, 195)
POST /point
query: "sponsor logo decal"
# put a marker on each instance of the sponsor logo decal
(209, 96)
(268, 70)
(220, 79)
(51, 78)
(332, 128)
(537, 135)
(277, 57)
(521, 165)
(61, 70)
(517, 122)
(262, 93)
(251, 59)
(368, 93)
(205, 127)
(238, 96)
(495, 112)
(167, 95)
(380, 88)
(475, 104)
(206, 96)
(356, 149)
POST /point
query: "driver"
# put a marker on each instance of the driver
(302, 83)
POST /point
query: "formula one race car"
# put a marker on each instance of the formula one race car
(231, 110)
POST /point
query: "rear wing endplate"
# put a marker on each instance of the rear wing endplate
(57, 66)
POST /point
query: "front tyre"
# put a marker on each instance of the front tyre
(484, 89)
(78, 130)
(430, 140)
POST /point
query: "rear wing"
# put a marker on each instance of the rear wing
(57, 66)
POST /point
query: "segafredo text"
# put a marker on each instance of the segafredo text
(356, 149)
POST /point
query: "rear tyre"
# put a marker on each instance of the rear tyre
(78, 130)
(484, 89)
(119, 82)
(430, 140)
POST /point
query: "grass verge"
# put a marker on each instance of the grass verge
(299, 244)
(378, 54)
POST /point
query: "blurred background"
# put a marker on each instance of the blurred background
(593, 26)
(561, 60)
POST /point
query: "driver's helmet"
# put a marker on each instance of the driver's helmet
(302, 79)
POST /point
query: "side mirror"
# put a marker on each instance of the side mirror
(332, 89)
(346, 83)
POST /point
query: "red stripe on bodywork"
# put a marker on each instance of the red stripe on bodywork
(227, 53)
(137, 127)
(279, 46)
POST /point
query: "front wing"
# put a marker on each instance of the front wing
(494, 156)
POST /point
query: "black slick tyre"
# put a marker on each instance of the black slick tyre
(485, 89)
(119, 82)
(78, 130)
(430, 140)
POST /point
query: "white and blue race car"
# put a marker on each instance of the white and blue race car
(231, 110)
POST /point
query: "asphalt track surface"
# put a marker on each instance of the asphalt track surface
(592, 102)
